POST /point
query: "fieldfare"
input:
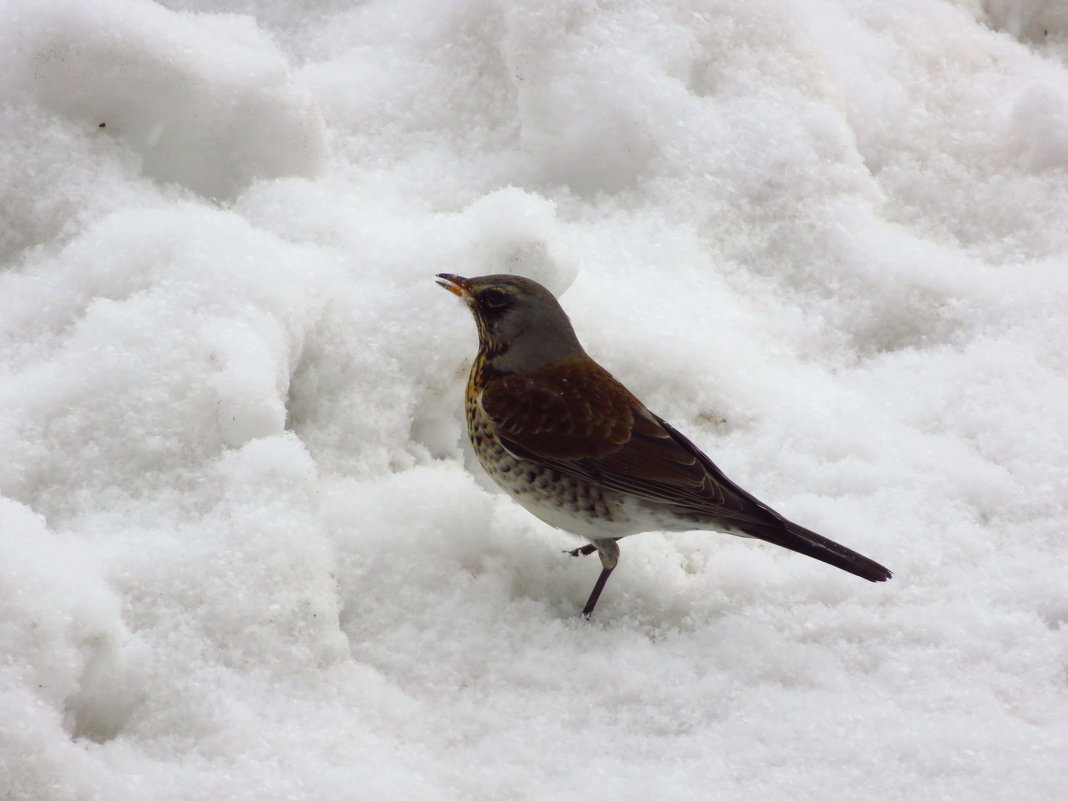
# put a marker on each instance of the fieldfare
(576, 449)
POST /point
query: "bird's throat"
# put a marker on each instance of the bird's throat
(486, 367)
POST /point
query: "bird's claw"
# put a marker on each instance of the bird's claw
(585, 550)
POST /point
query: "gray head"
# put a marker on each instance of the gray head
(520, 324)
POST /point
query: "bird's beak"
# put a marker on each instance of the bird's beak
(457, 285)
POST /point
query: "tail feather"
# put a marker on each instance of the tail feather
(809, 543)
(727, 504)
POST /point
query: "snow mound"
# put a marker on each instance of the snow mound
(205, 101)
(245, 551)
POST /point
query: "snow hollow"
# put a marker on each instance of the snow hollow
(245, 552)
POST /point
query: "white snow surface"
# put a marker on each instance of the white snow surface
(245, 552)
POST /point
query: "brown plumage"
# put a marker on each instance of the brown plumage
(578, 450)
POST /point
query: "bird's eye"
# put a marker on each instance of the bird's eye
(493, 298)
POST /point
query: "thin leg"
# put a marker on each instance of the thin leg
(592, 602)
(609, 553)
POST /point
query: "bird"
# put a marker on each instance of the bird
(578, 450)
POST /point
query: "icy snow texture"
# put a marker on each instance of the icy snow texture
(244, 552)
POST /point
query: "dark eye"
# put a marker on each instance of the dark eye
(493, 298)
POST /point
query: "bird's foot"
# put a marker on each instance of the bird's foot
(585, 550)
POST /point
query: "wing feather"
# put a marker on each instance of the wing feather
(579, 420)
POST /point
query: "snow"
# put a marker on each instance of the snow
(245, 551)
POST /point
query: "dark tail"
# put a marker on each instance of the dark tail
(800, 539)
(733, 506)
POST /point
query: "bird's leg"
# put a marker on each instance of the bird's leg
(609, 553)
(586, 550)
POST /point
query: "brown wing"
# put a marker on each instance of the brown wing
(578, 419)
(569, 411)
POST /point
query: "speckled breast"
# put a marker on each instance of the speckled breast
(559, 500)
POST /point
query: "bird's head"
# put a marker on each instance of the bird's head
(521, 326)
